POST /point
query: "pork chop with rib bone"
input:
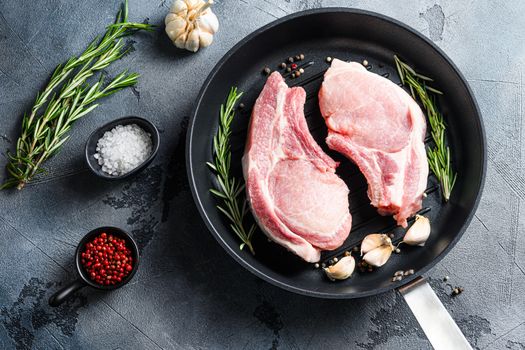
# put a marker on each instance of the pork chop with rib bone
(380, 128)
(295, 195)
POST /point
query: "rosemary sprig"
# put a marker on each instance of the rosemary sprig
(438, 155)
(229, 189)
(65, 101)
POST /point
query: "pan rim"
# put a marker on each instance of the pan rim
(236, 254)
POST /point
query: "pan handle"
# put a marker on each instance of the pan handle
(59, 297)
(439, 327)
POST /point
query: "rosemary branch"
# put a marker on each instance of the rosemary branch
(65, 101)
(439, 154)
(229, 189)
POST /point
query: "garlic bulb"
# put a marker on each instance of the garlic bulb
(191, 24)
(342, 269)
(377, 249)
(419, 232)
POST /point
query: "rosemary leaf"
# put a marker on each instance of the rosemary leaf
(218, 193)
(226, 212)
(422, 77)
(436, 91)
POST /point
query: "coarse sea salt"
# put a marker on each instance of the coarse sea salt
(122, 149)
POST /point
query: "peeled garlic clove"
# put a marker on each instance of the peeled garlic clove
(419, 232)
(342, 269)
(192, 43)
(379, 256)
(373, 241)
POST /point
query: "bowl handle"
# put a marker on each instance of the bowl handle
(60, 296)
(434, 319)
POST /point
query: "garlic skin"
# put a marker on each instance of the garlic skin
(191, 24)
(379, 256)
(342, 269)
(374, 240)
(419, 232)
(377, 249)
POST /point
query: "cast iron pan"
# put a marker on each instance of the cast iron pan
(349, 35)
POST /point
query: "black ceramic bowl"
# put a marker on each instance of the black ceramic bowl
(91, 146)
(60, 296)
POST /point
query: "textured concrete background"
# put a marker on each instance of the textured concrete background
(188, 294)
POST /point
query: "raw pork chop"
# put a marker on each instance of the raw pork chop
(381, 128)
(294, 193)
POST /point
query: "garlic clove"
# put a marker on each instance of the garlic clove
(180, 41)
(179, 7)
(208, 22)
(192, 43)
(373, 241)
(170, 17)
(342, 269)
(379, 256)
(205, 39)
(180, 24)
(175, 28)
(419, 232)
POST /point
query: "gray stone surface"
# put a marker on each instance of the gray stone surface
(188, 293)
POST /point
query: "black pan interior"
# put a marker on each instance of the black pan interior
(348, 35)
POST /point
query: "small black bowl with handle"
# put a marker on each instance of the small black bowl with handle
(91, 146)
(83, 279)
